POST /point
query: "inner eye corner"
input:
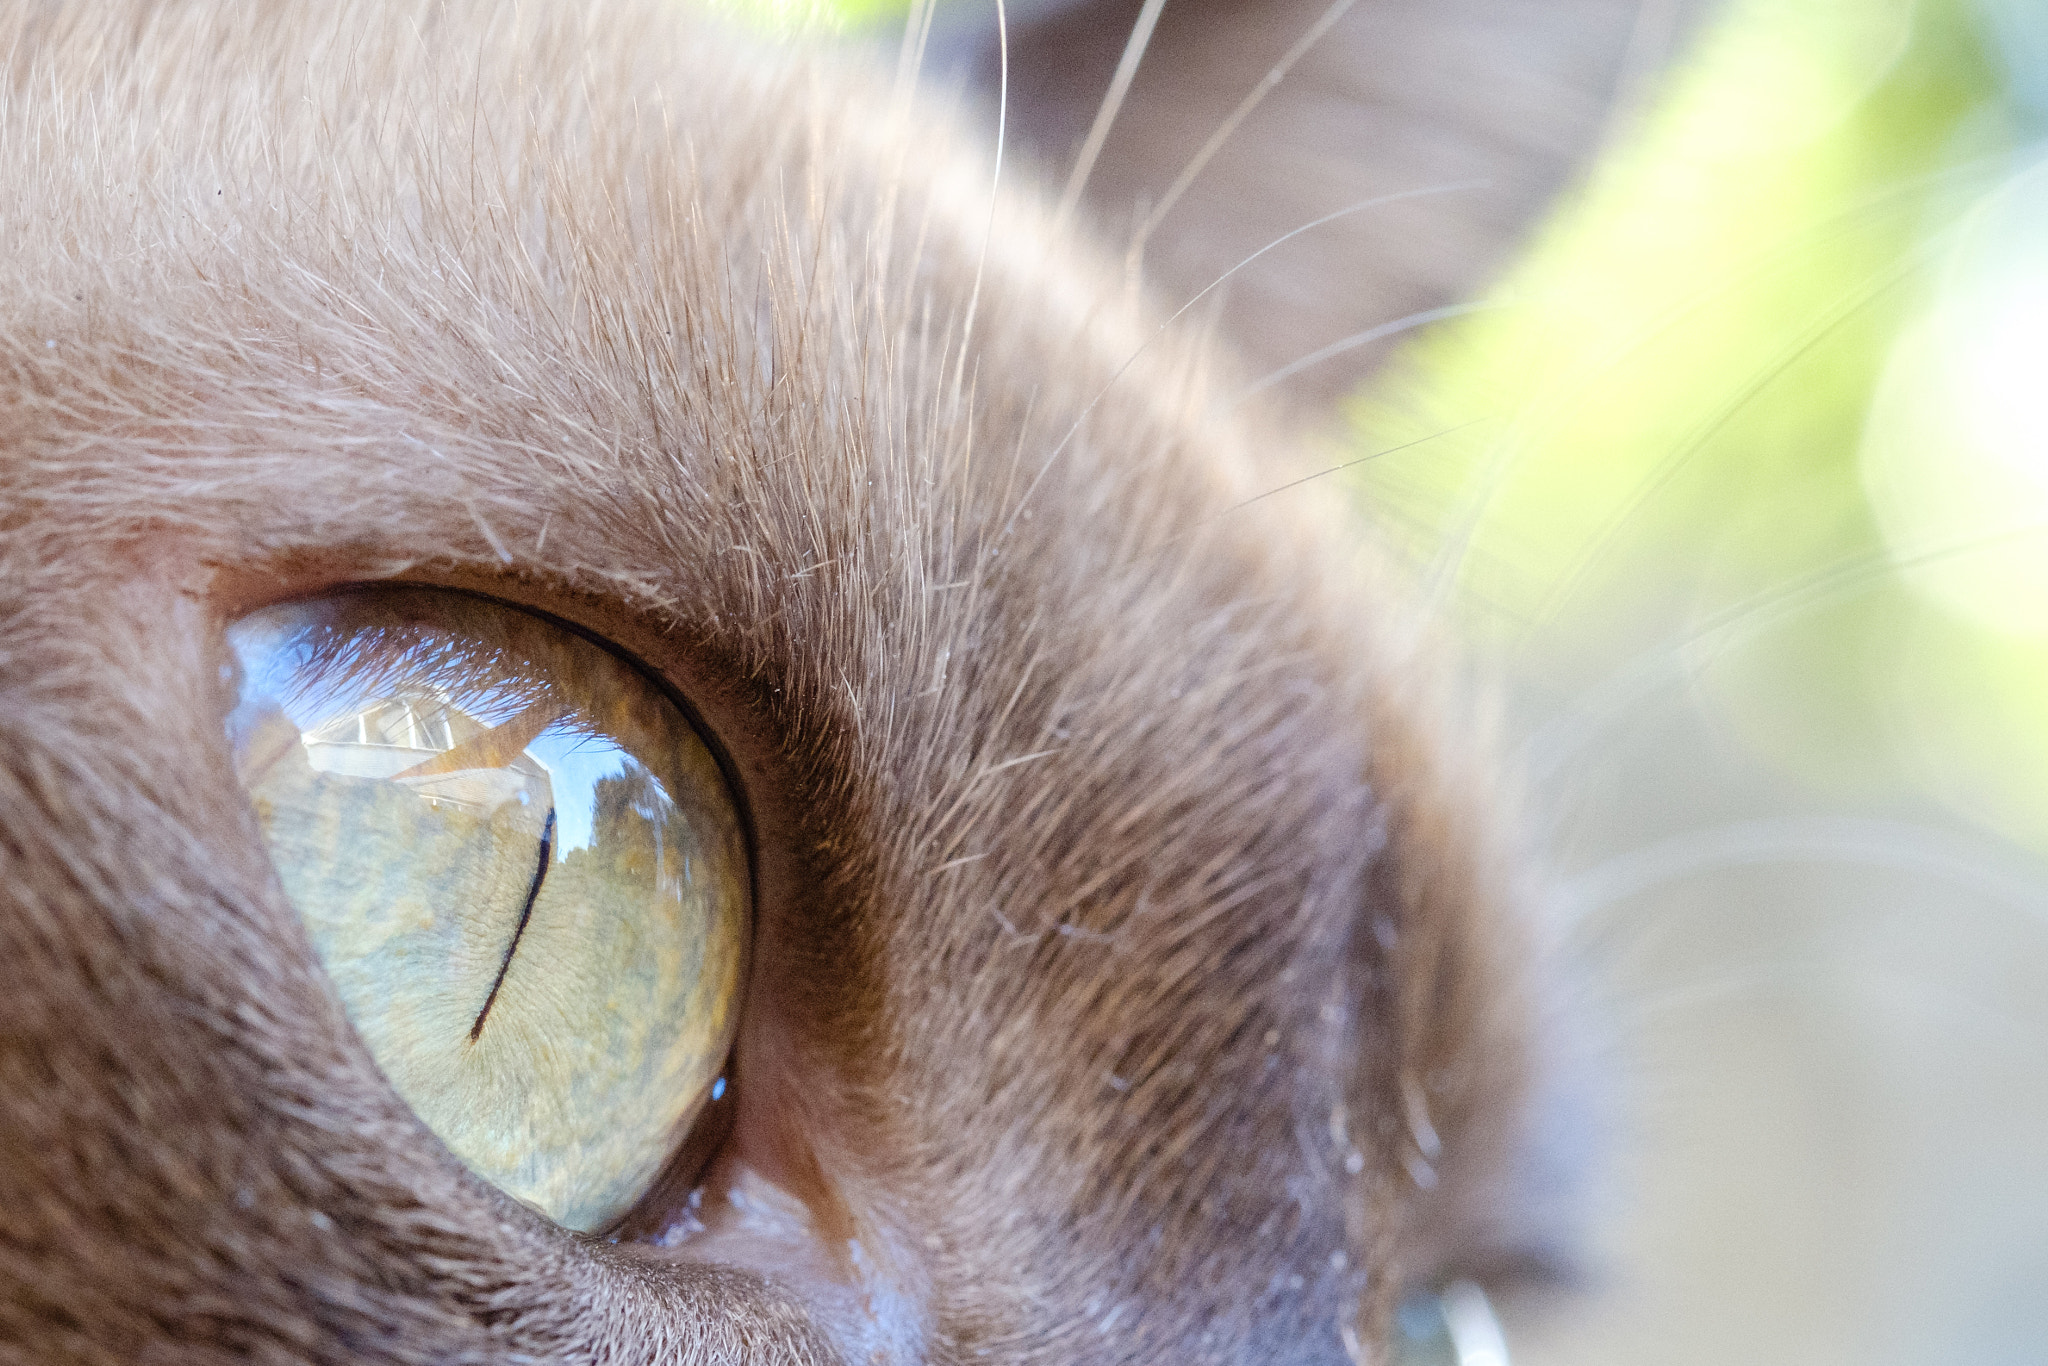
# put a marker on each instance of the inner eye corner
(471, 802)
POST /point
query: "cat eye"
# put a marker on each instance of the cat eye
(521, 867)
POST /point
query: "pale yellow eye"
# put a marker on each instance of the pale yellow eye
(521, 867)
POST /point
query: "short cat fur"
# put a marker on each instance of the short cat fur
(1137, 970)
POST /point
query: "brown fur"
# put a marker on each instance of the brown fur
(1126, 914)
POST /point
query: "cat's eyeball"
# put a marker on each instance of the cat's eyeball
(521, 867)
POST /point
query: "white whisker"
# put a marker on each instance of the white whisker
(1134, 257)
(1356, 340)
(1801, 978)
(917, 32)
(1545, 752)
(1349, 464)
(1650, 39)
(1867, 292)
(1203, 293)
(1569, 398)
(1105, 114)
(994, 189)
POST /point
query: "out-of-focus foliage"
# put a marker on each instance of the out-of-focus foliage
(1766, 411)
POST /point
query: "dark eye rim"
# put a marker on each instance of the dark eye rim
(728, 769)
(708, 1130)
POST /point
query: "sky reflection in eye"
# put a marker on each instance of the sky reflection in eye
(521, 868)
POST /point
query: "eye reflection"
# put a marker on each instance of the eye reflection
(520, 866)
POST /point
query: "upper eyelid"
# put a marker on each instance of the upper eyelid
(482, 666)
(561, 662)
(344, 659)
(714, 696)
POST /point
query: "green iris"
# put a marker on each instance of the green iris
(521, 867)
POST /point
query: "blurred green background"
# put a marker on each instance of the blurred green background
(1743, 492)
(1768, 410)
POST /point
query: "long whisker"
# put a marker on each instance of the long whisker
(1796, 978)
(917, 32)
(994, 188)
(1650, 39)
(1356, 340)
(1188, 533)
(1573, 397)
(1067, 438)
(1134, 258)
(1105, 114)
(1349, 464)
(1869, 291)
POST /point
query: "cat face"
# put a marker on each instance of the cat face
(1133, 967)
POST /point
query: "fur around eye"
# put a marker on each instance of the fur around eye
(519, 865)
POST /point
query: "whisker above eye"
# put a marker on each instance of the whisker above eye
(1557, 404)
(1074, 428)
(1105, 114)
(1353, 464)
(1134, 256)
(994, 189)
(917, 32)
(1378, 332)
(1651, 40)
(1797, 978)
(1867, 293)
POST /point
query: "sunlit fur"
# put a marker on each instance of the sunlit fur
(1132, 921)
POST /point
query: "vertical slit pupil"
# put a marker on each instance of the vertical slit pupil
(540, 873)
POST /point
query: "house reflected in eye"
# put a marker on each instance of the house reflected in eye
(520, 868)
(439, 751)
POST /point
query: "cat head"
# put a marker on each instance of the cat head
(1135, 966)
